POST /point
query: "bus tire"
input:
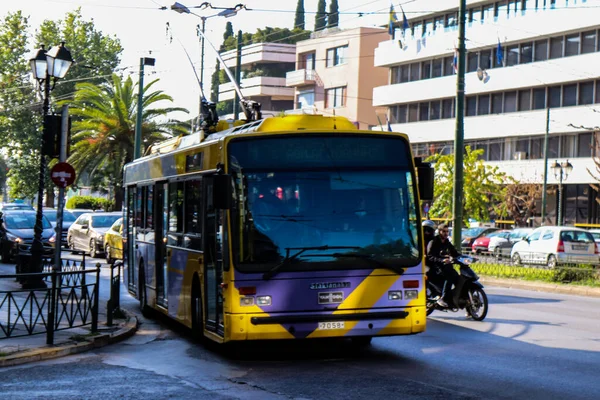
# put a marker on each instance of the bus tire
(142, 292)
(197, 314)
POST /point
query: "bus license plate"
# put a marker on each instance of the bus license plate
(330, 325)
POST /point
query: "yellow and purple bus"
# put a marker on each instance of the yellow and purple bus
(290, 227)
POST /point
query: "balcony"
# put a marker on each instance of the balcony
(258, 86)
(301, 77)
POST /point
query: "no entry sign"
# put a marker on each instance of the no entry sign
(62, 174)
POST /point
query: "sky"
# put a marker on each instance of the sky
(141, 27)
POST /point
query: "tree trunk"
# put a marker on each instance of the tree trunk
(50, 196)
(118, 198)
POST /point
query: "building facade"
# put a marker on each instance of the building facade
(264, 66)
(335, 75)
(531, 68)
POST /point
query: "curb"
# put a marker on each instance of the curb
(46, 353)
(542, 287)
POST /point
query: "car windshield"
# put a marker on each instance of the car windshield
(340, 215)
(24, 221)
(495, 234)
(103, 221)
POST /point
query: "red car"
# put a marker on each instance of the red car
(480, 245)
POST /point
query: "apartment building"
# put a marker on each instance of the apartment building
(264, 66)
(527, 59)
(335, 75)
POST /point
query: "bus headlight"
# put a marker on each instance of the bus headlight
(263, 300)
(395, 295)
(246, 301)
(411, 294)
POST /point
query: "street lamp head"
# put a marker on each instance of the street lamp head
(180, 8)
(228, 12)
(556, 168)
(59, 61)
(39, 64)
(567, 167)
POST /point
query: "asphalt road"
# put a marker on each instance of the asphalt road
(532, 345)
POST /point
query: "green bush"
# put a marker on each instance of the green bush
(566, 274)
(583, 275)
(95, 203)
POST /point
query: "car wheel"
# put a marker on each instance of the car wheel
(93, 252)
(552, 261)
(497, 253)
(70, 243)
(516, 259)
(109, 258)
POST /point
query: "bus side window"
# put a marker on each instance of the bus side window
(175, 222)
(193, 214)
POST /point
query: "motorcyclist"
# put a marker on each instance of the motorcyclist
(441, 254)
(428, 231)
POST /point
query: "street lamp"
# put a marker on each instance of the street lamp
(47, 67)
(561, 172)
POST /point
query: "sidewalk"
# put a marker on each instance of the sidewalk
(20, 350)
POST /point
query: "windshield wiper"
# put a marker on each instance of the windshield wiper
(288, 259)
(371, 258)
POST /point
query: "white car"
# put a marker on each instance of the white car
(596, 234)
(553, 245)
(500, 246)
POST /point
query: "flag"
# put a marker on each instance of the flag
(389, 126)
(392, 21)
(404, 21)
(499, 54)
(455, 61)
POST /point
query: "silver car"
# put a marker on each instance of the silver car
(87, 232)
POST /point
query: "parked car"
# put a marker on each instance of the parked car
(68, 219)
(481, 244)
(501, 247)
(554, 245)
(15, 206)
(78, 211)
(16, 230)
(87, 232)
(113, 242)
(468, 236)
(596, 234)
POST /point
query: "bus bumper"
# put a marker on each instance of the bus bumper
(309, 325)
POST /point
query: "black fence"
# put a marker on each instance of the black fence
(69, 300)
(114, 302)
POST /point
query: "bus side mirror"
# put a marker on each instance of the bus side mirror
(425, 176)
(222, 191)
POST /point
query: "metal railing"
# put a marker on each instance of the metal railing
(114, 302)
(71, 301)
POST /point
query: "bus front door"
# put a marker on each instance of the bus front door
(161, 212)
(213, 261)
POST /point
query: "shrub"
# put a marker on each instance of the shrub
(95, 203)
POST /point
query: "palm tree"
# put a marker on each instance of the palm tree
(104, 128)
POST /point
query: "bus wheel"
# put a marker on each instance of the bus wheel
(197, 317)
(142, 293)
(361, 341)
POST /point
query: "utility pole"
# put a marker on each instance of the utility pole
(238, 74)
(137, 146)
(544, 187)
(457, 194)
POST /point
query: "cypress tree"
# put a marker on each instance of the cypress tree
(333, 17)
(228, 30)
(299, 18)
(321, 16)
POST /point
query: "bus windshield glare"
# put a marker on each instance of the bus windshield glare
(335, 202)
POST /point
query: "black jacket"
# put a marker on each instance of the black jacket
(438, 250)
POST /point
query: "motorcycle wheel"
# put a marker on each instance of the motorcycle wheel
(430, 308)
(430, 305)
(478, 308)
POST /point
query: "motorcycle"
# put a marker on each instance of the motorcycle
(467, 294)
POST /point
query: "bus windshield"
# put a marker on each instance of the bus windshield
(345, 202)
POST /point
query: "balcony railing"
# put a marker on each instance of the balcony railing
(301, 77)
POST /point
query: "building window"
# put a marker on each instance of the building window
(495, 150)
(554, 94)
(541, 50)
(483, 104)
(553, 147)
(451, 20)
(435, 110)
(471, 106)
(567, 146)
(569, 95)
(307, 61)
(588, 42)
(572, 45)
(414, 72)
(496, 103)
(537, 148)
(335, 97)
(426, 70)
(586, 93)
(485, 59)
(305, 98)
(556, 47)
(336, 56)
(597, 91)
(584, 145)
(526, 53)
(437, 68)
(423, 111)
(539, 98)
(512, 55)
(448, 65)
(413, 112)
(472, 63)
(398, 114)
(448, 108)
(510, 101)
(524, 100)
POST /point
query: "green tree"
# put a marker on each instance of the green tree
(333, 18)
(103, 134)
(279, 35)
(299, 17)
(484, 187)
(228, 31)
(96, 55)
(321, 16)
(214, 83)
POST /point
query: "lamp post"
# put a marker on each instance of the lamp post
(47, 68)
(561, 172)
